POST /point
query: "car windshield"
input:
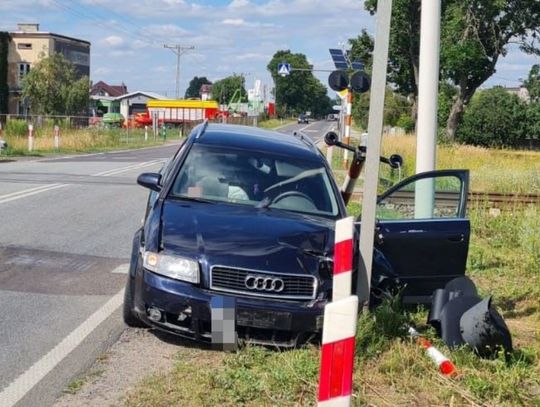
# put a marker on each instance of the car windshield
(256, 179)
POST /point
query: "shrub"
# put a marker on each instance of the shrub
(16, 127)
(494, 118)
(406, 122)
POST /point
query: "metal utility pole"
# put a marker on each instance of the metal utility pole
(178, 50)
(375, 127)
(428, 90)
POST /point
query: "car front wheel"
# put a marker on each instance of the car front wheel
(130, 319)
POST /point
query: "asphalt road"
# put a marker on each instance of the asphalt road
(66, 226)
(315, 130)
(65, 232)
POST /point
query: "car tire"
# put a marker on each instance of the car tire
(130, 319)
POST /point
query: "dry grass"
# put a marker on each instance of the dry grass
(81, 140)
(504, 171)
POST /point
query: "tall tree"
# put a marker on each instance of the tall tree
(194, 88)
(52, 87)
(224, 89)
(362, 49)
(474, 35)
(301, 91)
(533, 83)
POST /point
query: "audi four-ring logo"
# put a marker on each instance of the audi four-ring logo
(260, 283)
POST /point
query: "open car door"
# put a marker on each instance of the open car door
(422, 231)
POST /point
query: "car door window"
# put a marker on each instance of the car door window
(438, 196)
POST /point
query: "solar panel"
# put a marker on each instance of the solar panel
(339, 58)
(357, 66)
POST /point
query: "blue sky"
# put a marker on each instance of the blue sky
(230, 36)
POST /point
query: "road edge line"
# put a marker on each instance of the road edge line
(19, 387)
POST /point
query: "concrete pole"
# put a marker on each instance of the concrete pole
(428, 92)
(30, 137)
(56, 137)
(375, 125)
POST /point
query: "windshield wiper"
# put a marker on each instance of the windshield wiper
(192, 199)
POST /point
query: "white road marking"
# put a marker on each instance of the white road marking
(30, 192)
(121, 269)
(44, 188)
(26, 381)
(24, 191)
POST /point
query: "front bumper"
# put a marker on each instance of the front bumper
(187, 311)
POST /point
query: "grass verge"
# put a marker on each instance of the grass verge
(81, 141)
(491, 170)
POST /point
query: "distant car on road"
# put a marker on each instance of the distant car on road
(247, 214)
(331, 117)
(303, 119)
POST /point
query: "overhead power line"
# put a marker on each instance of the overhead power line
(178, 50)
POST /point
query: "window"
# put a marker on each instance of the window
(24, 68)
(257, 179)
(428, 198)
(24, 45)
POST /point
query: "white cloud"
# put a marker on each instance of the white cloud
(233, 21)
(254, 56)
(113, 40)
(239, 3)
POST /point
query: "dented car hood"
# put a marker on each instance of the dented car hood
(246, 237)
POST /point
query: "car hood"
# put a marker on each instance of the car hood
(245, 237)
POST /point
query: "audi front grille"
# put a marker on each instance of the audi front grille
(263, 283)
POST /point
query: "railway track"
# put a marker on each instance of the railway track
(489, 199)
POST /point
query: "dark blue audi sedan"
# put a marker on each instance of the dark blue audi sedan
(245, 217)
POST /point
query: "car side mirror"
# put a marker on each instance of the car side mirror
(150, 180)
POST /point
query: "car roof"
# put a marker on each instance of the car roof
(254, 138)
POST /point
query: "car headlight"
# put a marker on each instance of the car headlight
(179, 268)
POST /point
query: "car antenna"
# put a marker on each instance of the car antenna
(202, 129)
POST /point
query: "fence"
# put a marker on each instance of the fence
(79, 133)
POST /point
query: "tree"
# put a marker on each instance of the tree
(474, 35)
(224, 89)
(301, 91)
(396, 106)
(52, 87)
(194, 88)
(532, 131)
(533, 83)
(494, 118)
(362, 50)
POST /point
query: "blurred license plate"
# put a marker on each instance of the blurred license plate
(264, 319)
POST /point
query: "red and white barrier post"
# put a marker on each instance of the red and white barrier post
(446, 367)
(339, 328)
(348, 123)
(30, 137)
(56, 137)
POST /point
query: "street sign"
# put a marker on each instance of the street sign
(284, 69)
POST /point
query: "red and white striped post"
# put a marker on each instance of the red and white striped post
(339, 328)
(348, 123)
(30, 137)
(445, 365)
(56, 137)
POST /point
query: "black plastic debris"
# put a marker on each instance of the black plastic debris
(460, 317)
